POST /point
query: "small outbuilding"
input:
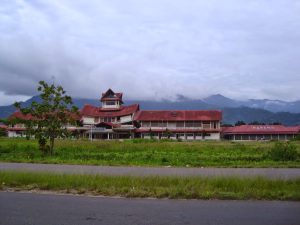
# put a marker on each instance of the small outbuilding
(260, 132)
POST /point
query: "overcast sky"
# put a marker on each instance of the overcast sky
(151, 49)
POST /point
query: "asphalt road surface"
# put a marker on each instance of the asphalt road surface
(51, 209)
(272, 173)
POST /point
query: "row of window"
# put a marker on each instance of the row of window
(259, 137)
(111, 103)
(175, 135)
(181, 124)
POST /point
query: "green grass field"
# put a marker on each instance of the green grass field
(146, 153)
(159, 187)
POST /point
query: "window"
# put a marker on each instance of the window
(189, 124)
(107, 119)
(146, 124)
(197, 124)
(215, 125)
(206, 125)
(154, 124)
(162, 124)
(180, 124)
(110, 103)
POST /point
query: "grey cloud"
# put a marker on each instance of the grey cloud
(152, 49)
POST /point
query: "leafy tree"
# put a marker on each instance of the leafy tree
(2, 132)
(168, 133)
(276, 123)
(50, 116)
(256, 123)
(4, 121)
(226, 125)
(283, 152)
(239, 123)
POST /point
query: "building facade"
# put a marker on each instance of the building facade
(260, 132)
(179, 124)
(113, 120)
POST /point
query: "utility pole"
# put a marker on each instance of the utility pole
(91, 133)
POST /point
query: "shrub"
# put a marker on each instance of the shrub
(283, 152)
(297, 138)
(2, 132)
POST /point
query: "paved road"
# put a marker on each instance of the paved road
(272, 173)
(50, 209)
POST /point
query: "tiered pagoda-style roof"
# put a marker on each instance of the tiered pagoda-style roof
(110, 95)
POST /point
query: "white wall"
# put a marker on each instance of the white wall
(125, 119)
(213, 136)
(13, 134)
(88, 120)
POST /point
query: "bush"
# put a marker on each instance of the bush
(283, 152)
(297, 138)
(2, 132)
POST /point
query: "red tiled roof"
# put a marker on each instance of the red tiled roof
(20, 115)
(261, 129)
(89, 110)
(3, 127)
(178, 115)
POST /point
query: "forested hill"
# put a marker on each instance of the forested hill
(230, 114)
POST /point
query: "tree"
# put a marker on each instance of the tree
(2, 132)
(4, 121)
(48, 118)
(239, 123)
(256, 123)
(275, 123)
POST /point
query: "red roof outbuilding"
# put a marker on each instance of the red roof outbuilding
(260, 129)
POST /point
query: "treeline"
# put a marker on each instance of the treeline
(241, 122)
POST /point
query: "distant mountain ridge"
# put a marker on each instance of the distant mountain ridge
(264, 111)
(267, 104)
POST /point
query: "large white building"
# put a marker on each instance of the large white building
(113, 120)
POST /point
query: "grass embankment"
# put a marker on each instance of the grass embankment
(146, 153)
(158, 187)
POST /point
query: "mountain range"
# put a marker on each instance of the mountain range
(260, 110)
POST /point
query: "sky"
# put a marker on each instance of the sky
(151, 49)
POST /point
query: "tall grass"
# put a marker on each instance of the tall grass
(147, 153)
(159, 187)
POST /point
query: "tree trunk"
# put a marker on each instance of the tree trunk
(52, 146)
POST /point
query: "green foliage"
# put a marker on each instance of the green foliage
(155, 186)
(239, 123)
(283, 152)
(4, 121)
(49, 116)
(256, 123)
(146, 152)
(2, 132)
(297, 138)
